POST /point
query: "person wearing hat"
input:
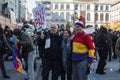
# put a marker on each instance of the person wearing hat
(82, 52)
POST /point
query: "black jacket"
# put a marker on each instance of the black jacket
(55, 51)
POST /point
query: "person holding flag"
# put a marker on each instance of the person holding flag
(28, 51)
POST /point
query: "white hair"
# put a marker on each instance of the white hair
(54, 25)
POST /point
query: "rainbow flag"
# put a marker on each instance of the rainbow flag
(17, 60)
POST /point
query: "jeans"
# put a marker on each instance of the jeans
(31, 58)
(79, 70)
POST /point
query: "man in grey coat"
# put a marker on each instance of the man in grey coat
(28, 51)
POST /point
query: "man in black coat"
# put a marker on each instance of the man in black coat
(52, 53)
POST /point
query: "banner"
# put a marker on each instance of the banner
(39, 17)
(89, 30)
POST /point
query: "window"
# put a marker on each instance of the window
(56, 6)
(101, 7)
(83, 7)
(96, 16)
(88, 7)
(62, 16)
(62, 6)
(107, 17)
(47, 7)
(53, 16)
(107, 7)
(101, 17)
(67, 6)
(76, 7)
(88, 16)
(67, 16)
(96, 7)
(56, 16)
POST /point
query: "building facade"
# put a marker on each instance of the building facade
(5, 7)
(115, 11)
(18, 8)
(62, 11)
(22, 10)
(1, 2)
(95, 12)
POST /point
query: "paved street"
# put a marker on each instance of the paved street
(12, 72)
(14, 75)
(112, 72)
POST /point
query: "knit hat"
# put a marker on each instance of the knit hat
(79, 23)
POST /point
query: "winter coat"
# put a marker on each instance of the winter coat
(117, 47)
(4, 44)
(66, 50)
(54, 52)
(26, 43)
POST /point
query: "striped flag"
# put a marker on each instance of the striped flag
(17, 60)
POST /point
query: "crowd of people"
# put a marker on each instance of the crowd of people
(64, 53)
(78, 51)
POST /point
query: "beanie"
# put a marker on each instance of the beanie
(79, 23)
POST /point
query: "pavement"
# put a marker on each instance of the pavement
(14, 75)
(112, 70)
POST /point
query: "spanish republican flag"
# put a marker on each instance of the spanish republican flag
(17, 60)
